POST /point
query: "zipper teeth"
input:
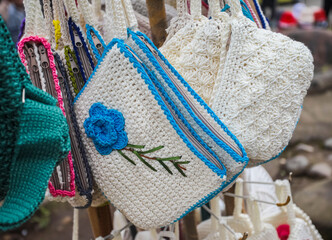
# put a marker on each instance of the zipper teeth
(182, 126)
(74, 143)
(77, 76)
(192, 106)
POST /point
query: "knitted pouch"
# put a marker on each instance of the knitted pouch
(42, 138)
(300, 225)
(195, 50)
(148, 142)
(189, 105)
(36, 55)
(62, 55)
(261, 83)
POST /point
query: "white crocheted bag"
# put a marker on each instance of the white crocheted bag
(300, 224)
(260, 86)
(139, 133)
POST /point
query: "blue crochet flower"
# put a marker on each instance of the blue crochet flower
(106, 128)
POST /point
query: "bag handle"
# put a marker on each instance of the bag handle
(196, 8)
(130, 14)
(72, 10)
(283, 191)
(214, 8)
(85, 9)
(256, 215)
(182, 8)
(49, 21)
(60, 15)
(34, 19)
(235, 7)
(115, 21)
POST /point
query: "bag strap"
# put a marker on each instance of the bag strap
(85, 9)
(283, 191)
(196, 8)
(130, 14)
(72, 10)
(181, 7)
(34, 19)
(60, 8)
(115, 24)
(49, 21)
(235, 8)
(214, 8)
(256, 215)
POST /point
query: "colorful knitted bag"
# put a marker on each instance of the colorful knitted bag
(35, 53)
(156, 149)
(39, 137)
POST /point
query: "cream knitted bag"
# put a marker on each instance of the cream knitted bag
(195, 49)
(167, 76)
(139, 134)
(260, 87)
(262, 231)
(301, 227)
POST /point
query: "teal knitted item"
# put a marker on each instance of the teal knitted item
(38, 138)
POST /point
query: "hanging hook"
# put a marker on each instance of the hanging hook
(245, 235)
(257, 200)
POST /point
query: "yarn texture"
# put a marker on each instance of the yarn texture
(42, 140)
(260, 87)
(147, 198)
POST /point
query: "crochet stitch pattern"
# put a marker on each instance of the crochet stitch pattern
(260, 87)
(43, 41)
(106, 129)
(156, 198)
(42, 140)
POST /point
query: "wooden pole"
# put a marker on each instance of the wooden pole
(190, 224)
(101, 220)
(157, 18)
(229, 202)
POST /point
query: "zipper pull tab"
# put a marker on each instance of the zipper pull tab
(76, 71)
(59, 73)
(33, 59)
(97, 42)
(148, 45)
(77, 39)
(43, 56)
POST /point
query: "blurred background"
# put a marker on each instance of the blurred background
(308, 156)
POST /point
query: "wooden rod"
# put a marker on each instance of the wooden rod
(101, 220)
(157, 18)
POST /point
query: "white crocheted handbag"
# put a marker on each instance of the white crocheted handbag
(262, 231)
(195, 49)
(147, 137)
(300, 224)
(260, 86)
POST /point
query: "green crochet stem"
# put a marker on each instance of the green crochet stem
(141, 155)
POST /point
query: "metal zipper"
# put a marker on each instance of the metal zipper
(74, 144)
(32, 65)
(97, 42)
(218, 134)
(77, 75)
(182, 126)
(47, 71)
(82, 55)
